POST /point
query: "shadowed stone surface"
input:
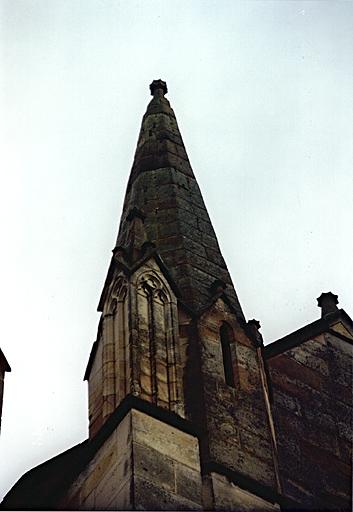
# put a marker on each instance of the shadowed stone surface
(312, 405)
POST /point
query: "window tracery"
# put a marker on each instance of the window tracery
(158, 361)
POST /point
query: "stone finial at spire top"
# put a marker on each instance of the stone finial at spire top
(328, 303)
(158, 88)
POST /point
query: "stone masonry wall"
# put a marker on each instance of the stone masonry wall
(228, 496)
(312, 403)
(166, 466)
(239, 436)
(146, 465)
(105, 484)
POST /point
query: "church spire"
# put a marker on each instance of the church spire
(172, 343)
(162, 185)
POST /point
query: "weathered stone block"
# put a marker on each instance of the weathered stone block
(149, 496)
(228, 496)
(188, 483)
(251, 443)
(295, 371)
(87, 504)
(167, 440)
(151, 465)
(122, 499)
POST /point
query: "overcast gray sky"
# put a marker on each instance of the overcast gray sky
(263, 96)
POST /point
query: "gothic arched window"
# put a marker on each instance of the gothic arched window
(157, 357)
(115, 353)
(227, 343)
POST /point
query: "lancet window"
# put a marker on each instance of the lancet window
(228, 353)
(116, 355)
(157, 343)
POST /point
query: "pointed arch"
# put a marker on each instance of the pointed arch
(157, 331)
(115, 340)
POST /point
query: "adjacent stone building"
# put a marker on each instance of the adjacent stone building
(310, 373)
(188, 410)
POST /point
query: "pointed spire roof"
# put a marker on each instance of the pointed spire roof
(162, 185)
(159, 144)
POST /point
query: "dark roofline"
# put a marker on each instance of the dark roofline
(29, 493)
(3, 362)
(308, 331)
(60, 472)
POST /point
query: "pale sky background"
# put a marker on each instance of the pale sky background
(263, 96)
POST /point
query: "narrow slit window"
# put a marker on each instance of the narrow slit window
(227, 340)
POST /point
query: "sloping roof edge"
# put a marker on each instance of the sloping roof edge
(304, 333)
